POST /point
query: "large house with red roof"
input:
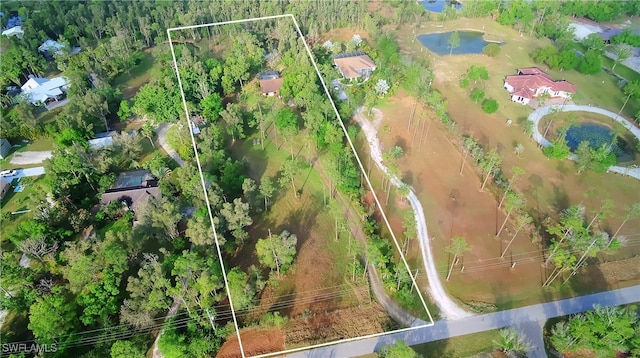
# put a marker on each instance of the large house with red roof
(532, 82)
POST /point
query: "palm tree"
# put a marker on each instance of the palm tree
(511, 343)
(457, 247)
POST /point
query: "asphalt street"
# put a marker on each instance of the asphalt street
(518, 318)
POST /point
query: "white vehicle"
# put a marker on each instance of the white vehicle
(8, 173)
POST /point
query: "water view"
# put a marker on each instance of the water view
(439, 5)
(470, 42)
(597, 135)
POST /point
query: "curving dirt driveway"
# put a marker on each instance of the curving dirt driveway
(448, 308)
(537, 115)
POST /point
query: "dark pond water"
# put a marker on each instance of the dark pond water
(597, 135)
(470, 42)
(439, 5)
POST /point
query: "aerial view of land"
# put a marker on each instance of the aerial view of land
(332, 178)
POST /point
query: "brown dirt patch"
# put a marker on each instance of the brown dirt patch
(254, 342)
(340, 324)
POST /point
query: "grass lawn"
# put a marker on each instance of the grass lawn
(463, 346)
(13, 202)
(130, 82)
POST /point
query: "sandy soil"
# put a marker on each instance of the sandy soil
(254, 342)
(30, 157)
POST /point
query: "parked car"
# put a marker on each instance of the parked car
(8, 173)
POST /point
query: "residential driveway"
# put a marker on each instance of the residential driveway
(336, 86)
(520, 318)
(162, 131)
(29, 172)
(20, 158)
(537, 115)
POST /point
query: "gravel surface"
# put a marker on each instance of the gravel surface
(448, 308)
(20, 158)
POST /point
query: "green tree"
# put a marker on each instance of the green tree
(601, 332)
(277, 252)
(453, 41)
(211, 106)
(477, 72)
(126, 349)
(124, 111)
(491, 50)
(490, 106)
(632, 89)
(287, 125)
(52, 316)
(232, 118)
(621, 52)
(148, 131)
(266, 190)
(457, 247)
(488, 164)
(289, 170)
(511, 343)
(590, 63)
(398, 350)
(477, 94)
(594, 43)
(237, 217)
(514, 203)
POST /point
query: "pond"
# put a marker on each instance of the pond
(470, 42)
(439, 5)
(597, 135)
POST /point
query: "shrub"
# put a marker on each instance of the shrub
(490, 106)
(464, 81)
(477, 95)
(491, 50)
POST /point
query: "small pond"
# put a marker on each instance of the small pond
(597, 135)
(439, 5)
(470, 42)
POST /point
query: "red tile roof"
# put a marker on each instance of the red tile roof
(529, 80)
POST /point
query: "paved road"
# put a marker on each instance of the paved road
(521, 318)
(536, 115)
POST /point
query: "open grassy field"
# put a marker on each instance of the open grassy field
(131, 82)
(549, 186)
(599, 90)
(454, 206)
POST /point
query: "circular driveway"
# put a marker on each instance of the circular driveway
(537, 115)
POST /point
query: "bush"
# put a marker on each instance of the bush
(490, 106)
(477, 95)
(464, 81)
(491, 50)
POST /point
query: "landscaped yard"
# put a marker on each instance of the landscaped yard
(16, 202)
(131, 82)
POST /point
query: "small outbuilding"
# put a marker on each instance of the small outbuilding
(5, 148)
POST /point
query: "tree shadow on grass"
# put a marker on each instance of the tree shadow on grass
(560, 200)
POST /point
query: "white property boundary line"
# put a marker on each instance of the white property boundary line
(355, 153)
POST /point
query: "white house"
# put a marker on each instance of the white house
(43, 90)
(532, 82)
(14, 31)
